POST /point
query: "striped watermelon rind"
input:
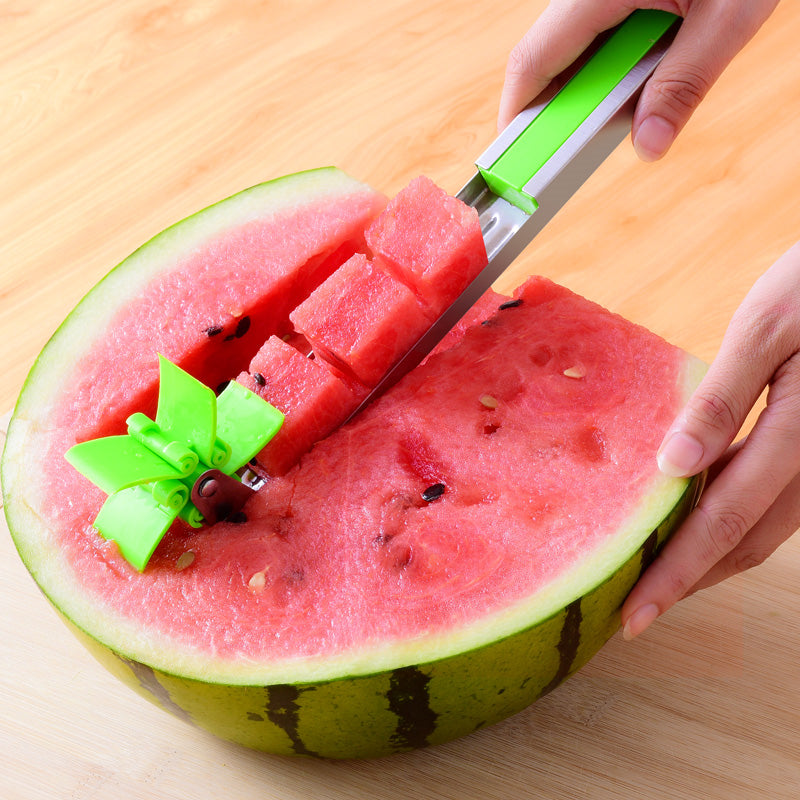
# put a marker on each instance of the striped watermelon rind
(413, 704)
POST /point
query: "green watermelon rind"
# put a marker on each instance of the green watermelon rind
(409, 705)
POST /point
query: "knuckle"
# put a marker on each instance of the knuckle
(721, 530)
(684, 88)
(716, 412)
(763, 326)
(731, 527)
(678, 585)
(743, 559)
(521, 60)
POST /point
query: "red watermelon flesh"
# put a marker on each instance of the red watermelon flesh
(270, 263)
(516, 425)
(481, 311)
(361, 319)
(312, 397)
(312, 394)
(432, 241)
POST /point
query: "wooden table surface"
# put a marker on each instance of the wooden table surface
(121, 118)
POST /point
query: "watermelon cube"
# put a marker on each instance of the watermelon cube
(430, 240)
(361, 319)
(312, 397)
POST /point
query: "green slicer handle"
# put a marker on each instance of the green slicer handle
(575, 128)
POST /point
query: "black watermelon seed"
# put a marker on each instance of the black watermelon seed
(213, 330)
(242, 327)
(511, 304)
(433, 492)
(259, 379)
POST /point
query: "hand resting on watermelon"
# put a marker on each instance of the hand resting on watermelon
(752, 502)
(712, 33)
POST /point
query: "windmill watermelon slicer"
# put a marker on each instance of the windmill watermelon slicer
(182, 464)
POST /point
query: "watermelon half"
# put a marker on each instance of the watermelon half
(434, 566)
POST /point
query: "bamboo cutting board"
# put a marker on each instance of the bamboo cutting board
(121, 118)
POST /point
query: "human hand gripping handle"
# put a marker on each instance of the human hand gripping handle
(712, 33)
(752, 503)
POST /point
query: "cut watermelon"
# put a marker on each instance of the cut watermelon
(432, 241)
(352, 319)
(437, 564)
(220, 283)
(312, 397)
(484, 308)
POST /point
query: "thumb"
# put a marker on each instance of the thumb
(702, 432)
(712, 33)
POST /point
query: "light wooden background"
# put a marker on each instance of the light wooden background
(119, 118)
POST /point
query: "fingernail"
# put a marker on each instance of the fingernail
(680, 455)
(639, 620)
(653, 138)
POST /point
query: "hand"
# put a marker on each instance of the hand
(712, 33)
(752, 501)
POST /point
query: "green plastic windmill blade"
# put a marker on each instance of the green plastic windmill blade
(117, 462)
(152, 474)
(136, 522)
(245, 423)
(187, 413)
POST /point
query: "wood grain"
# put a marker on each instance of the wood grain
(121, 118)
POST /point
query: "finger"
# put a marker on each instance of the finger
(764, 333)
(730, 507)
(713, 32)
(777, 525)
(562, 32)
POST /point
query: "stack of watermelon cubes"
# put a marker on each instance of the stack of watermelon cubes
(425, 248)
